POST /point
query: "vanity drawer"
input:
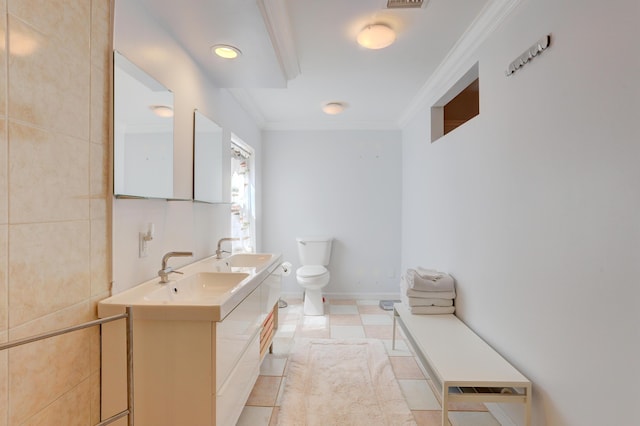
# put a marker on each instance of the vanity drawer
(233, 392)
(234, 335)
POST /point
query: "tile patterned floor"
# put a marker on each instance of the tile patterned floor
(346, 318)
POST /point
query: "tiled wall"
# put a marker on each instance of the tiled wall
(54, 204)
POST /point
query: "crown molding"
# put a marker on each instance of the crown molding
(330, 125)
(276, 19)
(452, 67)
(247, 103)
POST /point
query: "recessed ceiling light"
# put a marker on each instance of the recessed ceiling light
(163, 111)
(226, 51)
(333, 108)
(376, 36)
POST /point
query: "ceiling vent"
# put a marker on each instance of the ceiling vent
(397, 4)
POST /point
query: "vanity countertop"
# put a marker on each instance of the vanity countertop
(207, 290)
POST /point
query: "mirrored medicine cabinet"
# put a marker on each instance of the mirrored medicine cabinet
(142, 132)
(207, 160)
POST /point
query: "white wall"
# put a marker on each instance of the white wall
(533, 207)
(344, 184)
(179, 225)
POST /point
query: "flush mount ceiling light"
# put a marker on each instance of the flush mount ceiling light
(226, 51)
(163, 111)
(333, 108)
(376, 36)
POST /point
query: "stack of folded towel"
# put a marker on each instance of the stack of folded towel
(426, 291)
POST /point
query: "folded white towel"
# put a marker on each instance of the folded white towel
(431, 310)
(416, 282)
(429, 274)
(415, 301)
(425, 294)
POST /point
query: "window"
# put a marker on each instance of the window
(459, 105)
(242, 197)
(462, 108)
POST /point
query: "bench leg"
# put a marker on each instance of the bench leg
(445, 405)
(393, 341)
(527, 407)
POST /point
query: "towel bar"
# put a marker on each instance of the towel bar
(129, 334)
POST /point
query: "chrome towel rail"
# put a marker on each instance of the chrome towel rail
(127, 316)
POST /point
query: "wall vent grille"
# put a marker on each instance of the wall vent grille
(396, 4)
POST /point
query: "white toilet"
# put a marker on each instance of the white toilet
(314, 254)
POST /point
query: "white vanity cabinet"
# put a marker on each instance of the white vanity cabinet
(191, 372)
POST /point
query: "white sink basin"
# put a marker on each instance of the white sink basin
(197, 287)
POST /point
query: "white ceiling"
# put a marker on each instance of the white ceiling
(300, 54)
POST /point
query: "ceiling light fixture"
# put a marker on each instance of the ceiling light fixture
(333, 108)
(163, 111)
(226, 51)
(376, 36)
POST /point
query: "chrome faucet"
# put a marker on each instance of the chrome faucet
(166, 270)
(219, 250)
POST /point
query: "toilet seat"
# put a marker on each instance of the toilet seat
(311, 271)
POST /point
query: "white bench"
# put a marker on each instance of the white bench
(461, 365)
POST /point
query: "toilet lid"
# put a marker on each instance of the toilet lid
(309, 271)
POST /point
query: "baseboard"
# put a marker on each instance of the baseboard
(357, 296)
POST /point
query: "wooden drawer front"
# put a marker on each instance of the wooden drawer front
(266, 334)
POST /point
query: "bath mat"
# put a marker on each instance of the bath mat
(346, 382)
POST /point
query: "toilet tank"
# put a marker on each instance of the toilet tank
(314, 250)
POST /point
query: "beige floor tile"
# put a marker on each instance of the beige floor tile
(376, 319)
(405, 367)
(379, 331)
(274, 416)
(273, 365)
(289, 313)
(428, 418)
(315, 321)
(347, 332)
(313, 333)
(286, 330)
(401, 347)
(465, 418)
(343, 323)
(467, 406)
(265, 391)
(372, 309)
(282, 346)
(418, 395)
(339, 319)
(281, 391)
(343, 309)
